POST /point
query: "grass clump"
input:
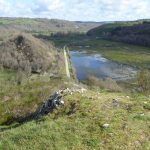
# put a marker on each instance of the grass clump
(144, 81)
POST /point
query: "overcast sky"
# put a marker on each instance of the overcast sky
(84, 10)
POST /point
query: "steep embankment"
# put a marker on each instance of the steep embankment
(137, 33)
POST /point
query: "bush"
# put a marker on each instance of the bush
(108, 83)
(19, 77)
(144, 80)
(26, 53)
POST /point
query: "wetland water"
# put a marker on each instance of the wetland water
(87, 64)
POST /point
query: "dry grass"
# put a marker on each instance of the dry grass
(108, 83)
(26, 53)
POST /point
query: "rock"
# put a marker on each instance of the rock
(106, 125)
(6, 98)
(128, 97)
(83, 90)
(53, 102)
(98, 97)
(142, 114)
(111, 134)
(115, 103)
(137, 144)
(52, 75)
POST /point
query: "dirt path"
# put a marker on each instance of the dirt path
(66, 63)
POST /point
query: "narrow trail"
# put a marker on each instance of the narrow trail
(66, 63)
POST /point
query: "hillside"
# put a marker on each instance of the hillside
(45, 25)
(137, 32)
(91, 120)
(26, 53)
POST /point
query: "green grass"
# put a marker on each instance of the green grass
(6, 75)
(78, 125)
(16, 100)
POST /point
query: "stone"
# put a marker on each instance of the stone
(128, 97)
(141, 114)
(115, 103)
(83, 90)
(53, 102)
(106, 125)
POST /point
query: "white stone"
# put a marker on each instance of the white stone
(106, 125)
(127, 97)
(142, 114)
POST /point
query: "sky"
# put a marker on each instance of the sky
(77, 10)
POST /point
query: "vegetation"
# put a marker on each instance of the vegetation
(129, 32)
(136, 56)
(26, 53)
(60, 39)
(20, 100)
(44, 26)
(109, 84)
(101, 30)
(144, 81)
(105, 116)
(80, 124)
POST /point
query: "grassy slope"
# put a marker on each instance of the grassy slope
(79, 125)
(19, 100)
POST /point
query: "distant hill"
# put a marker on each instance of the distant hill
(45, 25)
(26, 53)
(135, 32)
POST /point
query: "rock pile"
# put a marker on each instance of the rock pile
(53, 102)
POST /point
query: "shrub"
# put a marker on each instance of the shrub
(19, 77)
(108, 83)
(24, 52)
(144, 80)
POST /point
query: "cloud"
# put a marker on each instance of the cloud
(86, 10)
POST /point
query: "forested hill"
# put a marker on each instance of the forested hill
(137, 32)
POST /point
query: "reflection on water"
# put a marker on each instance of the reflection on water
(94, 64)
